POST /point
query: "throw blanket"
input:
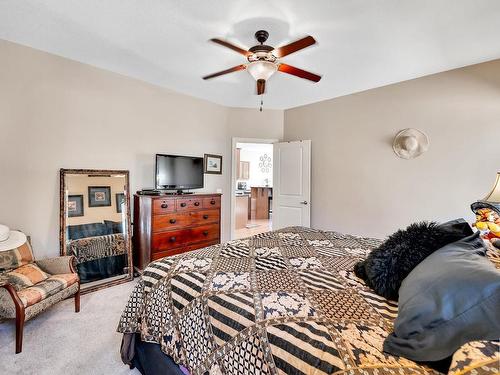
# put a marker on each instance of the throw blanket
(283, 302)
(90, 248)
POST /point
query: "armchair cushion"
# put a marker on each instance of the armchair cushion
(26, 276)
(57, 265)
(16, 257)
(54, 284)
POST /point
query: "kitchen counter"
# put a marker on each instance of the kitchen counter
(243, 192)
(241, 210)
(261, 196)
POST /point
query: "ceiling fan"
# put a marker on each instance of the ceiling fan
(263, 60)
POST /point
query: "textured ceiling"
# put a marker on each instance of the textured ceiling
(361, 44)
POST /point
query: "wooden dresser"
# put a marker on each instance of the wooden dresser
(171, 224)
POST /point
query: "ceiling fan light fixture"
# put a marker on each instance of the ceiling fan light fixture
(261, 69)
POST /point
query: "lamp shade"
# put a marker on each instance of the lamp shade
(494, 194)
(261, 69)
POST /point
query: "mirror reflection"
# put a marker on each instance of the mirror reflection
(96, 221)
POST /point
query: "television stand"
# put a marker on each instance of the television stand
(173, 224)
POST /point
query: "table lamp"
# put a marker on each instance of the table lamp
(494, 195)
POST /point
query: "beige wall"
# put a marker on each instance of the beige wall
(57, 113)
(360, 186)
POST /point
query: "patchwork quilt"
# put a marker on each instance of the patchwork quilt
(283, 302)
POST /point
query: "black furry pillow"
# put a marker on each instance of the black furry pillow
(386, 266)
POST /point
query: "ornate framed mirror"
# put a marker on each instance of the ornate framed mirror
(95, 225)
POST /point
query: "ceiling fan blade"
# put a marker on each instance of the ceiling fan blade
(294, 47)
(298, 72)
(230, 70)
(231, 46)
(261, 86)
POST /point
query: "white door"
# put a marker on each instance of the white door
(292, 184)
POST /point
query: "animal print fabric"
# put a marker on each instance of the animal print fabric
(283, 302)
(91, 248)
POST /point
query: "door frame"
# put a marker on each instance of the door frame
(236, 140)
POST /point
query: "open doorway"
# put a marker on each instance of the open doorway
(252, 187)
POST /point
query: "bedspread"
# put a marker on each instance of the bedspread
(283, 302)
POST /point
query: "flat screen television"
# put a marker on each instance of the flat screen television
(174, 172)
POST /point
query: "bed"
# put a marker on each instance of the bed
(283, 302)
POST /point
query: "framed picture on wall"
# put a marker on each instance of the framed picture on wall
(213, 164)
(120, 199)
(75, 205)
(99, 196)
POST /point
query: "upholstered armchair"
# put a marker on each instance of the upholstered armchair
(29, 286)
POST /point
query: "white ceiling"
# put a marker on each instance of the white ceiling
(362, 44)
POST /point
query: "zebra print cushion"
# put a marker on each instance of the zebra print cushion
(90, 248)
(283, 302)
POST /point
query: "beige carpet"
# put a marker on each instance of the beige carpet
(59, 341)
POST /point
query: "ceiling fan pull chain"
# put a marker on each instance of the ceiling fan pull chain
(261, 102)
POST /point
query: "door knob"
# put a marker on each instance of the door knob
(303, 202)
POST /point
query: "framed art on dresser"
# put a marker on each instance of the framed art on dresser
(213, 164)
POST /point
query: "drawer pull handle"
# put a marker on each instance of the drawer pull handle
(205, 232)
(164, 205)
(173, 221)
(172, 239)
(183, 204)
(196, 203)
(205, 217)
(212, 201)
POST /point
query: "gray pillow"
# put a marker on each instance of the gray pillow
(450, 298)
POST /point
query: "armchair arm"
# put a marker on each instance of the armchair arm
(58, 265)
(10, 303)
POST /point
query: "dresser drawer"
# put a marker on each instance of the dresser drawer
(162, 223)
(163, 206)
(213, 202)
(169, 240)
(204, 216)
(208, 232)
(182, 249)
(163, 241)
(189, 204)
